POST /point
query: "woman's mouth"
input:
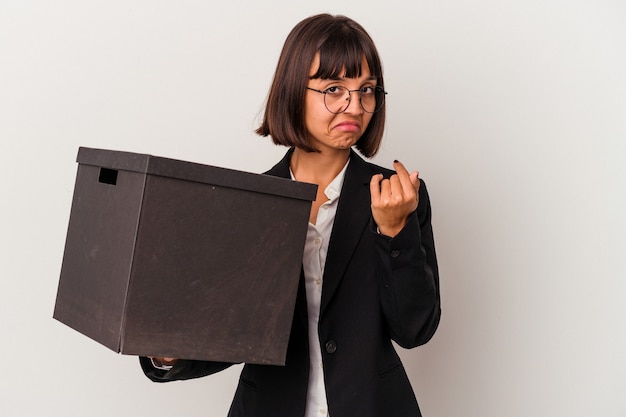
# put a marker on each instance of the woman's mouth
(348, 126)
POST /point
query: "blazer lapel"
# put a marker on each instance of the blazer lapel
(351, 220)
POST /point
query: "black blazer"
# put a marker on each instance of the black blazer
(375, 290)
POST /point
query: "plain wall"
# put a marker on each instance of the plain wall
(514, 112)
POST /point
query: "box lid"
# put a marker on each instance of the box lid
(190, 171)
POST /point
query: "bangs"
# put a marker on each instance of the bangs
(341, 55)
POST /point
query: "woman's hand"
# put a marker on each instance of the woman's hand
(394, 199)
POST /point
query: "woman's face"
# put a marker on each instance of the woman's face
(328, 131)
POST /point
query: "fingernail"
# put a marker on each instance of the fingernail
(395, 161)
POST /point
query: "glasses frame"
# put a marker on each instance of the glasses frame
(358, 90)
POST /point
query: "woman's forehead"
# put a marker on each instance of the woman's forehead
(338, 70)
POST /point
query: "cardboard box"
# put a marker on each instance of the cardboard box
(178, 259)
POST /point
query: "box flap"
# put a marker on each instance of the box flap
(190, 171)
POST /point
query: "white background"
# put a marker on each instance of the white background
(514, 112)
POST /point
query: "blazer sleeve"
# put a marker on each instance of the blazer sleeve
(409, 278)
(184, 369)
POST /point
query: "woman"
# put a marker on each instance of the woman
(369, 266)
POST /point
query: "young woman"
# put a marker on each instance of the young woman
(369, 271)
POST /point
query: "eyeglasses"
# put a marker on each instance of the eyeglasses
(337, 99)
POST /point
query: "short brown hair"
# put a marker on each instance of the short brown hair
(342, 43)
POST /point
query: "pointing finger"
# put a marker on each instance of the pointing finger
(409, 182)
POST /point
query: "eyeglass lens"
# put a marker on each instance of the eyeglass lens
(337, 99)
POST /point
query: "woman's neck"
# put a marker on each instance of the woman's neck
(316, 167)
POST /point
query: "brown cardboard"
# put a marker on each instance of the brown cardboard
(171, 258)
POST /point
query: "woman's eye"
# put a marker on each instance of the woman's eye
(368, 89)
(334, 91)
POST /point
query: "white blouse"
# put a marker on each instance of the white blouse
(313, 261)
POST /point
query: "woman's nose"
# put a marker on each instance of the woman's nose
(354, 102)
